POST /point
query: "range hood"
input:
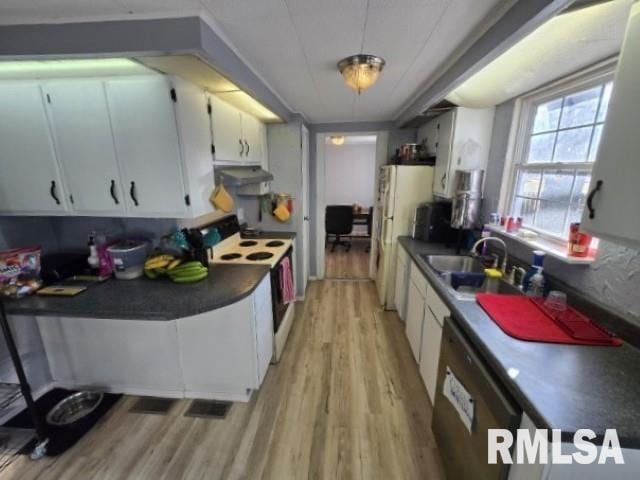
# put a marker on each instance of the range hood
(239, 176)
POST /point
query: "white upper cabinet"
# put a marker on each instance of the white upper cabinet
(238, 137)
(226, 127)
(252, 132)
(30, 180)
(462, 142)
(615, 180)
(147, 146)
(195, 141)
(82, 132)
(443, 146)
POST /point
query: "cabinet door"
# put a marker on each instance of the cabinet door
(218, 351)
(441, 178)
(30, 182)
(227, 134)
(124, 355)
(146, 139)
(430, 352)
(263, 314)
(82, 132)
(196, 141)
(252, 136)
(415, 316)
(617, 158)
(400, 299)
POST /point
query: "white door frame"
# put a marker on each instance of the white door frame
(382, 140)
(306, 241)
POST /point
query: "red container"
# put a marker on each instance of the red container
(579, 242)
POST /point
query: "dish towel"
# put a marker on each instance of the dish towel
(286, 281)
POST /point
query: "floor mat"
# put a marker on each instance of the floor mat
(61, 438)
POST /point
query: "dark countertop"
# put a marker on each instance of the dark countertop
(565, 387)
(144, 299)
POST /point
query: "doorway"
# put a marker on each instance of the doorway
(349, 194)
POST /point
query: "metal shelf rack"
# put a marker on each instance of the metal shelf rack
(9, 392)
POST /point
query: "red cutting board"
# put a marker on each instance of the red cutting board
(522, 318)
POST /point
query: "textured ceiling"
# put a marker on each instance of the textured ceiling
(563, 45)
(293, 45)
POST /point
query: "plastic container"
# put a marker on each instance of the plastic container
(127, 258)
(536, 284)
(556, 301)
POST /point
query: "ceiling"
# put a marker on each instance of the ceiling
(563, 45)
(294, 45)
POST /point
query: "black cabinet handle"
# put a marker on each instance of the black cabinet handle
(241, 146)
(444, 177)
(596, 189)
(132, 192)
(247, 144)
(112, 190)
(53, 193)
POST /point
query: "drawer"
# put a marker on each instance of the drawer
(437, 306)
(403, 256)
(418, 278)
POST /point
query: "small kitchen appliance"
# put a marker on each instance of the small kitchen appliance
(467, 198)
(432, 223)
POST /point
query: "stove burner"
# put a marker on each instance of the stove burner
(248, 243)
(275, 243)
(259, 256)
(230, 256)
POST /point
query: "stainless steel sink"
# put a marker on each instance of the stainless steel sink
(447, 266)
(454, 263)
(469, 293)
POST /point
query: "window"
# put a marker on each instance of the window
(560, 134)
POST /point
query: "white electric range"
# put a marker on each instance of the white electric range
(234, 249)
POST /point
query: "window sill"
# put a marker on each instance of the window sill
(552, 249)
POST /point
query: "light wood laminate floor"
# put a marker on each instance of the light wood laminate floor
(346, 401)
(351, 264)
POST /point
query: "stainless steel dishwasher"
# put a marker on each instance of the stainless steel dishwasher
(468, 402)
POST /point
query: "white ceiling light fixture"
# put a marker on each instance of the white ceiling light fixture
(337, 139)
(360, 71)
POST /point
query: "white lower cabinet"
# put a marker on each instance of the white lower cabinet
(425, 315)
(415, 317)
(402, 283)
(128, 356)
(431, 338)
(221, 354)
(226, 352)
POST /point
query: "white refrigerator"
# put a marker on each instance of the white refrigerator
(400, 189)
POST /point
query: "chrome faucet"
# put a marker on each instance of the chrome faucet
(494, 239)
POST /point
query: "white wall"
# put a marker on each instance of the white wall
(350, 174)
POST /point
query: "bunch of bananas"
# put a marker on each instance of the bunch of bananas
(174, 268)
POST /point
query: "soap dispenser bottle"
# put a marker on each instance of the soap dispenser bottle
(536, 284)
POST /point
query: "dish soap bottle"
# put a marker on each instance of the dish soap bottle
(536, 283)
